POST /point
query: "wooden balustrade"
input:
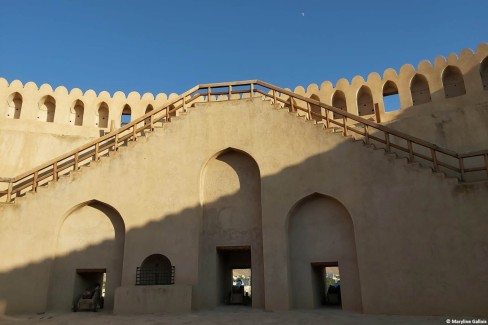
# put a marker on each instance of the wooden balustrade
(369, 130)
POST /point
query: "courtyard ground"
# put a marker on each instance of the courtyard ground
(234, 315)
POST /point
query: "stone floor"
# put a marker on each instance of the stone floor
(235, 315)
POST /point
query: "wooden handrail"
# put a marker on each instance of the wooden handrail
(110, 141)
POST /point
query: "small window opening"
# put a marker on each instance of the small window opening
(391, 99)
(126, 115)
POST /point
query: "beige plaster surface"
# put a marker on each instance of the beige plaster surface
(409, 225)
(158, 299)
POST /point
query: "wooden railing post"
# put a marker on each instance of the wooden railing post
(434, 160)
(34, 181)
(344, 123)
(410, 150)
(116, 141)
(134, 129)
(309, 107)
(486, 162)
(230, 91)
(9, 191)
(55, 171)
(461, 168)
(97, 146)
(327, 120)
(377, 113)
(209, 91)
(167, 113)
(387, 140)
(274, 96)
(252, 90)
(292, 104)
(151, 122)
(366, 134)
(77, 158)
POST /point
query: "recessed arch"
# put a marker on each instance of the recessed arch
(484, 73)
(47, 109)
(316, 108)
(91, 236)
(339, 101)
(14, 105)
(102, 118)
(320, 233)
(365, 101)
(419, 88)
(453, 82)
(391, 98)
(231, 230)
(77, 113)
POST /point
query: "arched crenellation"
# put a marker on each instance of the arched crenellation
(316, 109)
(391, 97)
(126, 115)
(321, 233)
(89, 250)
(47, 109)
(339, 101)
(14, 106)
(420, 90)
(102, 116)
(484, 73)
(77, 113)
(365, 101)
(453, 82)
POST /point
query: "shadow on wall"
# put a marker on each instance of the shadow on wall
(389, 267)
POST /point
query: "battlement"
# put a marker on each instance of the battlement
(429, 84)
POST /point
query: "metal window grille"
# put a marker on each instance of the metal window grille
(155, 276)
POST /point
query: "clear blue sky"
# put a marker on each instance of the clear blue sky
(170, 46)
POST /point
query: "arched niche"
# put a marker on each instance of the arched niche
(89, 249)
(339, 101)
(231, 230)
(102, 118)
(149, 108)
(47, 109)
(484, 73)
(391, 99)
(453, 82)
(419, 88)
(126, 115)
(365, 101)
(321, 233)
(156, 269)
(316, 108)
(14, 106)
(77, 113)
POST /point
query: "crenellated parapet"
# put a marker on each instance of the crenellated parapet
(464, 76)
(74, 107)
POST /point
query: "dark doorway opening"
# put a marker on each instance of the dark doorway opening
(234, 272)
(326, 284)
(88, 279)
